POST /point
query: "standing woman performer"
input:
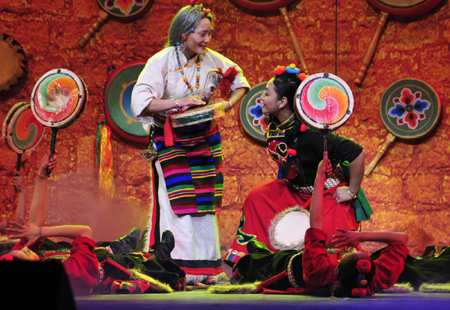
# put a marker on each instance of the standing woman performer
(188, 175)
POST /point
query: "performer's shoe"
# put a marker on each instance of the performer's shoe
(255, 246)
(126, 244)
(163, 248)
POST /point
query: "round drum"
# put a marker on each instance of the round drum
(287, 230)
(324, 101)
(117, 96)
(264, 5)
(251, 116)
(409, 8)
(197, 116)
(58, 98)
(13, 63)
(21, 130)
(410, 109)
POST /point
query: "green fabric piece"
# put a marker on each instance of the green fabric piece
(362, 206)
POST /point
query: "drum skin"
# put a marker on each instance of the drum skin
(324, 101)
(58, 98)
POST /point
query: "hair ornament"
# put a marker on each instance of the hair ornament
(192, 2)
(6, 258)
(292, 69)
(184, 38)
(302, 76)
(279, 70)
(361, 281)
(363, 266)
(303, 128)
(359, 292)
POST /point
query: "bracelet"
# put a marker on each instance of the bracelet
(351, 194)
(229, 107)
(177, 101)
(43, 178)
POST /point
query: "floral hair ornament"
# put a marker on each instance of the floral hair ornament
(279, 70)
(363, 266)
(292, 69)
(359, 292)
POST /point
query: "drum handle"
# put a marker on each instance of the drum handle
(52, 147)
(101, 19)
(371, 50)
(297, 49)
(18, 165)
(381, 151)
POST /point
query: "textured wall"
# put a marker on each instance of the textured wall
(408, 189)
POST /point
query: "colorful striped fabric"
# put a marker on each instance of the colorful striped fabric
(192, 168)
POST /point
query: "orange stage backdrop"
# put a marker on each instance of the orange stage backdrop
(409, 188)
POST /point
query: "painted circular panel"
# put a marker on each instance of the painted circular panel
(324, 101)
(410, 8)
(13, 63)
(264, 5)
(410, 109)
(21, 130)
(124, 8)
(58, 98)
(250, 113)
(117, 98)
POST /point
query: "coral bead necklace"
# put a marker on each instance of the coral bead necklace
(180, 68)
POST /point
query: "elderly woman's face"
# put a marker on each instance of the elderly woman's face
(198, 40)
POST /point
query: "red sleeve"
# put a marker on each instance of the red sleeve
(388, 267)
(82, 265)
(318, 264)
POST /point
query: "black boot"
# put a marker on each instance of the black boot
(126, 244)
(163, 248)
(255, 246)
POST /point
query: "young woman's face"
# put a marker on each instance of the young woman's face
(269, 98)
(198, 40)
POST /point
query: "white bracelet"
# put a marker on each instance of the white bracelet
(176, 103)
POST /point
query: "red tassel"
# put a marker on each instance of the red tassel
(168, 130)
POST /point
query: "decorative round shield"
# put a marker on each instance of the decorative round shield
(197, 115)
(13, 63)
(117, 98)
(250, 113)
(58, 98)
(287, 230)
(409, 8)
(264, 5)
(124, 9)
(324, 101)
(21, 130)
(410, 109)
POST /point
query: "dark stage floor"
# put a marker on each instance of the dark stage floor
(200, 299)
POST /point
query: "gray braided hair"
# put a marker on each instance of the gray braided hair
(187, 18)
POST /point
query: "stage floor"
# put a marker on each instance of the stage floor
(200, 299)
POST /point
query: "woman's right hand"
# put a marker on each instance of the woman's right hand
(191, 100)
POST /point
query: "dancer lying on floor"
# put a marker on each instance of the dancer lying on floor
(315, 270)
(92, 269)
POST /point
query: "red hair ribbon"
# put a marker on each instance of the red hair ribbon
(227, 79)
(363, 266)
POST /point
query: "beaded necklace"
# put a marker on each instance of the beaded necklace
(180, 68)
